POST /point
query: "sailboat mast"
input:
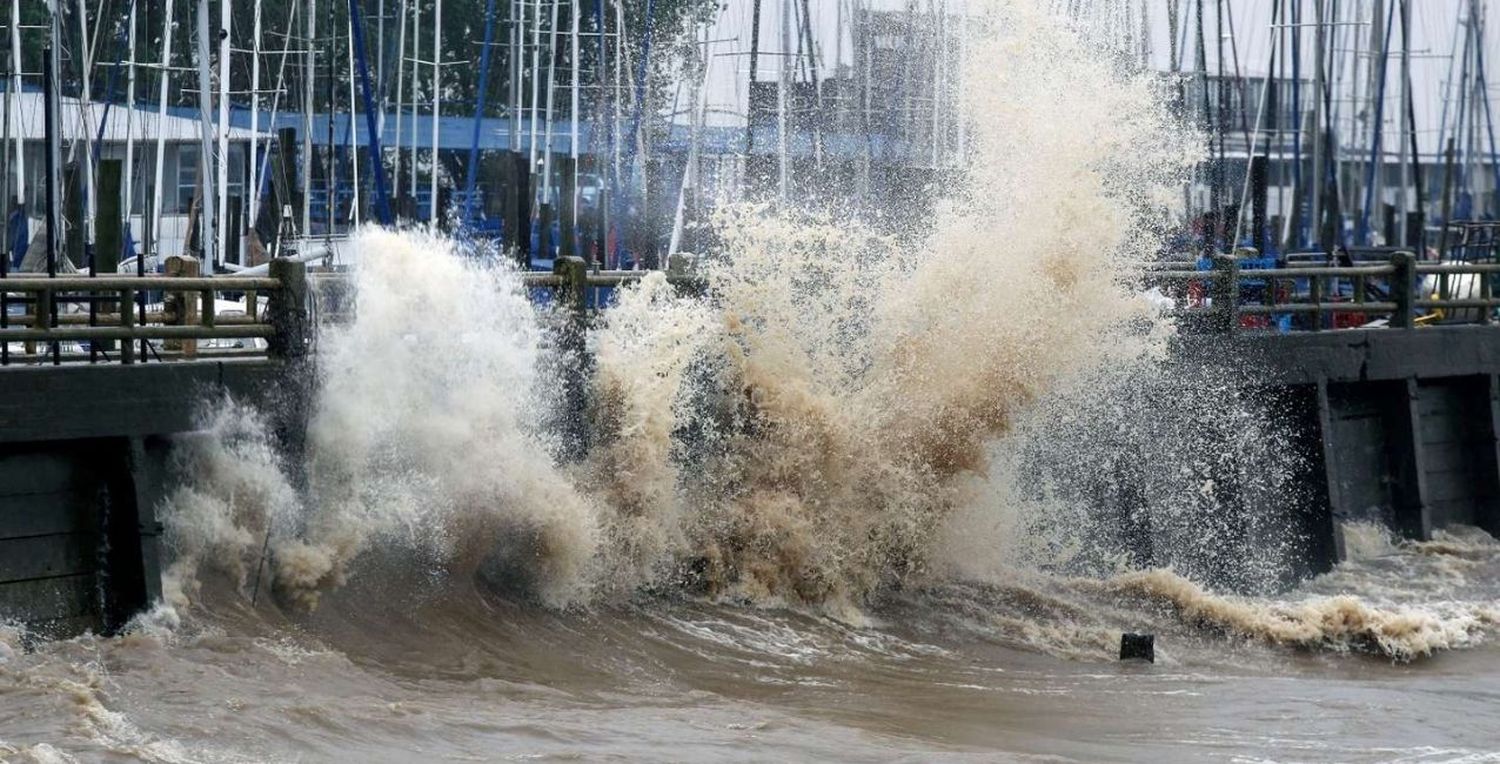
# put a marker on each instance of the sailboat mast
(416, 69)
(437, 102)
(517, 37)
(782, 86)
(536, 91)
(54, 143)
(130, 119)
(1403, 232)
(252, 189)
(577, 64)
(353, 128)
(689, 188)
(309, 78)
(221, 157)
(400, 96)
(551, 102)
(161, 118)
(750, 93)
(90, 199)
(1319, 171)
(471, 171)
(209, 239)
(15, 94)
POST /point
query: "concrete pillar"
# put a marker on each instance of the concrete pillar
(1413, 519)
(1337, 508)
(1489, 511)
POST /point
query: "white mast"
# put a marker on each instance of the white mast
(90, 195)
(959, 113)
(416, 56)
(536, 63)
(400, 94)
(690, 171)
(784, 179)
(517, 39)
(253, 187)
(573, 116)
(309, 77)
(939, 42)
(161, 119)
(1406, 159)
(551, 93)
(353, 127)
(221, 158)
(130, 122)
(54, 141)
(205, 165)
(15, 96)
(437, 104)
(619, 114)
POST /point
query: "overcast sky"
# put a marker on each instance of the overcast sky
(1434, 30)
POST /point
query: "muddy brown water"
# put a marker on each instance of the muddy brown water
(396, 668)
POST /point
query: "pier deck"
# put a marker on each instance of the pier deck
(1401, 425)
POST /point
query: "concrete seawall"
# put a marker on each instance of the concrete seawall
(84, 455)
(1396, 426)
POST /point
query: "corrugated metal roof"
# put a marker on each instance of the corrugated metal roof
(456, 133)
(28, 117)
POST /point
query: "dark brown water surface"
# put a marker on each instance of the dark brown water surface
(1017, 670)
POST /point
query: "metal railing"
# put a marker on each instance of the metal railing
(119, 318)
(1401, 293)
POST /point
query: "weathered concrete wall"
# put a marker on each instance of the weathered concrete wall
(50, 403)
(1408, 419)
(84, 454)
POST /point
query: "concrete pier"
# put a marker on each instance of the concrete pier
(85, 446)
(1398, 425)
(1406, 420)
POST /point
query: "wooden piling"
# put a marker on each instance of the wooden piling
(1226, 292)
(1403, 290)
(181, 308)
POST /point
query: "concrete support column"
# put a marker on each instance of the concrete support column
(1489, 511)
(1338, 510)
(1409, 497)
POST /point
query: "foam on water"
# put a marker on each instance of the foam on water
(826, 424)
(837, 433)
(798, 435)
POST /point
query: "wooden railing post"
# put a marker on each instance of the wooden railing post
(127, 320)
(287, 311)
(181, 308)
(1226, 292)
(573, 297)
(1486, 290)
(575, 276)
(682, 273)
(1404, 289)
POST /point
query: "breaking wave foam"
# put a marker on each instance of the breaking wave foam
(815, 428)
(1344, 623)
(800, 433)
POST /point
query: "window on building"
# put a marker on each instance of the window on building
(187, 176)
